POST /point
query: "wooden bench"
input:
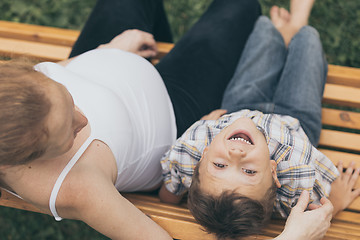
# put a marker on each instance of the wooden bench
(340, 138)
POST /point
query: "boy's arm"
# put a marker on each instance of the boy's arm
(179, 162)
(342, 189)
(168, 197)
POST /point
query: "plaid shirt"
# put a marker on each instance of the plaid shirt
(300, 166)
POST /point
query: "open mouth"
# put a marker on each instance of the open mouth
(241, 137)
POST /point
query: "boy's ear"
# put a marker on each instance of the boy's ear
(273, 166)
(204, 152)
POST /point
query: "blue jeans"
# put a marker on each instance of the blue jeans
(273, 79)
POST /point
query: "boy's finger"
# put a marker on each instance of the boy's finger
(355, 193)
(354, 178)
(349, 171)
(340, 167)
(303, 201)
(313, 206)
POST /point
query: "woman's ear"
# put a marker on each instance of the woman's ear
(273, 166)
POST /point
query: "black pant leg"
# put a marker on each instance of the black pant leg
(111, 17)
(198, 69)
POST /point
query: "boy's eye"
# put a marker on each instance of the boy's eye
(219, 165)
(248, 171)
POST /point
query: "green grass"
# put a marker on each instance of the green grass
(338, 22)
(22, 225)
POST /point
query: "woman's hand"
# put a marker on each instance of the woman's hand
(310, 225)
(342, 189)
(214, 115)
(135, 41)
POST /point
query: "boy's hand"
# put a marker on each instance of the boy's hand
(342, 189)
(310, 225)
(168, 197)
(214, 115)
(135, 41)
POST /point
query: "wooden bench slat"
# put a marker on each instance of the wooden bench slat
(182, 229)
(346, 227)
(9, 200)
(342, 89)
(41, 51)
(341, 140)
(335, 156)
(346, 76)
(45, 51)
(341, 118)
(348, 217)
(341, 95)
(355, 205)
(36, 33)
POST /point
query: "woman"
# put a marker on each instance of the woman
(99, 123)
(76, 133)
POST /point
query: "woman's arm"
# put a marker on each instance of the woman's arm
(307, 225)
(92, 198)
(134, 40)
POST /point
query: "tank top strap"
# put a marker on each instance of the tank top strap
(13, 193)
(62, 176)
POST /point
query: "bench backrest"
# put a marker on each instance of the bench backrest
(340, 138)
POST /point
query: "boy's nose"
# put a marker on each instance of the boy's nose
(237, 153)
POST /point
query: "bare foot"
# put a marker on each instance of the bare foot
(288, 24)
(300, 11)
(279, 16)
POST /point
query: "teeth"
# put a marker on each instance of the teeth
(241, 139)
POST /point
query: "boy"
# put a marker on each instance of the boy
(234, 187)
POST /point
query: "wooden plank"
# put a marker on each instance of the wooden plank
(340, 140)
(341, 118)
(36, 33)
(346, 76)
(348, 217)
(41, 51)
(349, 228)
(44, 51)
(346, 158)
(163, 48)
(342, 95)
(182, 229)
(47, 44)
(355, 205)
(9, 200)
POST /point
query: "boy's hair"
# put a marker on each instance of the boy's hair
(230, 215)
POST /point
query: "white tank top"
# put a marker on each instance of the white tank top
(128, 108)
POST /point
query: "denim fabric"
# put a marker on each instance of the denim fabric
(198, 69)
(273, 79)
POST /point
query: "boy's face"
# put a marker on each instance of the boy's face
(238, 159)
